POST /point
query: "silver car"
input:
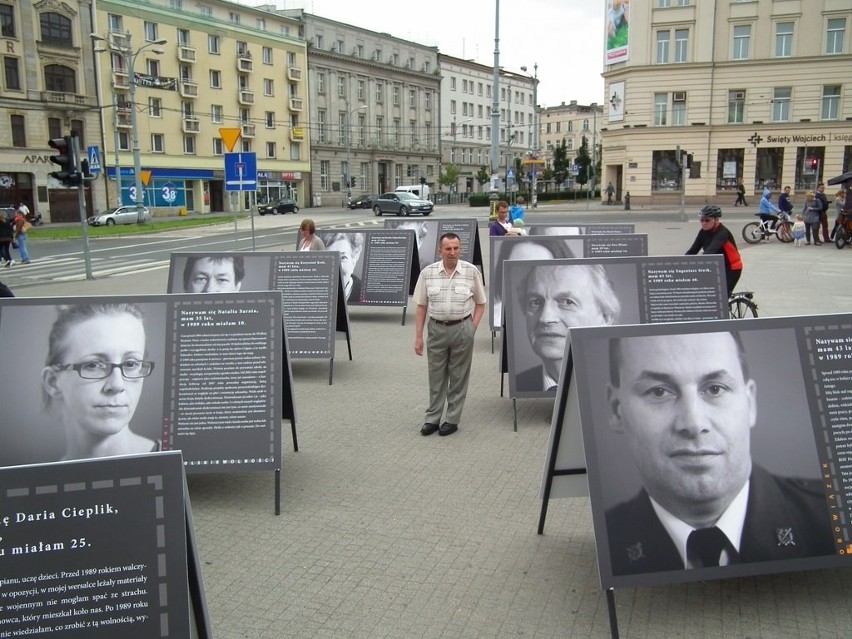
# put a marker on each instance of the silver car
(119, 215)
(401, 203)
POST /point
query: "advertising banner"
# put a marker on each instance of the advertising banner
(95, 548)
(428, 232)
(376, 266)
(617, 31)
(104, 376)
(542, 247)
(717, 449)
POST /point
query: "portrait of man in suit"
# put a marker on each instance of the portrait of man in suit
(555, 299)
(684, 407)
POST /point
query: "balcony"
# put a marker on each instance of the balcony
(296, 104)
(294, 73)
(68, 99)
(244, 63)
(247, 130)
(123, 118)
(120, 78)
(246, 97)
(186, 54)
(191, 124)
(188, 89)
(297, 134)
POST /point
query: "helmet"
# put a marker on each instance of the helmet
(711, 210)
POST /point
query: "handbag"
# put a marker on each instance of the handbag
(26, 226)
(14, 244)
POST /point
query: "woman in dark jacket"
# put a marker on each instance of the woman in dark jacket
(7, 231)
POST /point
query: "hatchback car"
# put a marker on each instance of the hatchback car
(284, 205)
(363, 202)
(402, 203)
(119, 215)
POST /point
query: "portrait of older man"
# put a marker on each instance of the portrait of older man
(555, 298)
(213, 274)
(684, 407)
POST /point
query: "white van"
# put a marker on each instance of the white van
(420, 190)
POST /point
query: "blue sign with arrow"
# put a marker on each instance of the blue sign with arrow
(241, 171)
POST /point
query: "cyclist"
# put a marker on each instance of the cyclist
(767, 209)
(715, 239)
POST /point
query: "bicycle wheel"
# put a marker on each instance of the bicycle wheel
(841, 237)
(784, 230)
(752, 233)
(741, 308)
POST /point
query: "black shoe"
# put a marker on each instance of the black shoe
(447, 429)
(428, 429)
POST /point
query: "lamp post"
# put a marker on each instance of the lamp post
(130, 56)
(349, 144)
(534, 137)
(455, 135)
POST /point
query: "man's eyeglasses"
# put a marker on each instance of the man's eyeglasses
(98, 369)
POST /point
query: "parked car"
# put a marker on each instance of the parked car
(364, 202)
(284, 205)
(119, 215)
(401, 203)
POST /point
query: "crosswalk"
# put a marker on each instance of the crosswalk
(73, 269)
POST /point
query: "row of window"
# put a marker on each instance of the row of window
(670, 108)
(467, 86)
(557, 128)
(233, 17)
(672, 45)
(55, 28)
(359, 51)
(361, 89)
(57, 77)
(18, 125)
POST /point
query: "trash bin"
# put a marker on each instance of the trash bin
(317, 200)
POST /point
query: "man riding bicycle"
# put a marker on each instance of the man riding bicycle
(714, 238)
(768, 209)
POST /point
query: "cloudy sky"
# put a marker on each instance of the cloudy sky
(565, 37)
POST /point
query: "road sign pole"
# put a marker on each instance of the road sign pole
(81, 204)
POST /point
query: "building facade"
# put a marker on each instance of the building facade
(374, 110)
(755, 91)
(569, 123)
(467, 101)
(197, 70)
(48, 91)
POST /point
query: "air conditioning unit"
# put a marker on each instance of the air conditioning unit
(679, 96)
(739, 95)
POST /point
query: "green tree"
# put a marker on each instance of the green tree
(561, 164)
(483, 176)
(583, 162)
(449, 176)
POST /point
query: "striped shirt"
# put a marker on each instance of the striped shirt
(449, 297)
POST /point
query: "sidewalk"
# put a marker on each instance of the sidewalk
(384, 533)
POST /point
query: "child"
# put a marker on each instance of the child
(798, 230)
(518, 225)
(810, 213)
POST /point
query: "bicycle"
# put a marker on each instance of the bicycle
(756, 232)
(742, 305)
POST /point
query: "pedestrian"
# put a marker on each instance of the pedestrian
(785, 204)
(24, 210)
(839, 203)
(517, 211)
(823, 213)
(811, 214)
(798, 230)
(610, 191)
(450, 296)
(7, 232)
(503, 224)
(740, 195)
(22, 227)
(309, 241)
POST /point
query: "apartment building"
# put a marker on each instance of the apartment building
(756, 91)
(192, 70)
(48, 90)
(374, 110)
(569, 123)
(467, 101)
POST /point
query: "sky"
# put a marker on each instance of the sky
(564, 37)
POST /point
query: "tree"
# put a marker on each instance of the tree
(583, 162)
(449, 176)
(561, 165)
(483, 176)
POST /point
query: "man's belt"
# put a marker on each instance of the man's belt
(451, 322)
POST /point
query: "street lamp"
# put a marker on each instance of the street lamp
(455, 136)
(534, 136)
(349, 144)
(129, 56)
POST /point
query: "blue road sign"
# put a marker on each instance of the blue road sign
(94, 160)
(241, 171)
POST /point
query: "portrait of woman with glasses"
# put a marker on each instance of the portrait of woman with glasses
(93, 377)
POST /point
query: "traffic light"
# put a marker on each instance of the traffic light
(67, 173)
(422, 180)
(352, 181)
(813, 163)
(689, 160)
(85, 174)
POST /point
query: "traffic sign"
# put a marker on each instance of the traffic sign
(241, 171)
(94, 160)
(575, 169)
(230, 135)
